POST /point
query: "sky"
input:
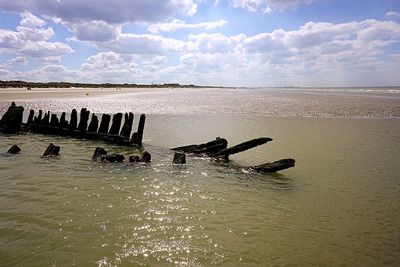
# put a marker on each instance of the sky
(255, 43)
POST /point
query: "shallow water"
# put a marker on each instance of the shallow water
(338, 206)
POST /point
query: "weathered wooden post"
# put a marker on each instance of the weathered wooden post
(127, 128)
(74, 120)
(105, 122)
(36, 120)
(46, 119)
(63, 122)
(137, 137)
(94, 124)
(12, 119)
(54, 120)
(30, 118)
(116, 124)
(83, 122)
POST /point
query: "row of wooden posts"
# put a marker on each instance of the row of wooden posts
(49, 123)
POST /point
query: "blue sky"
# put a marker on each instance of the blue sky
(205, 42)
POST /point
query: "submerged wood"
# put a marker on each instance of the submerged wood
(179, 158)
(218, 147)
(11, 122)
(14, 150)
(217, 144)
(99, 153)
(146, 157)
(225, 153)
(113, 158)
(274, 166)
(51, 151)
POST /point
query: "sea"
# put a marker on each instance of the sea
(339, 206)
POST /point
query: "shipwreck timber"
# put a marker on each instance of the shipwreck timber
(49, 124)
(219, 149)
(120, 133)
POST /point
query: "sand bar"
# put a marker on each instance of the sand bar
(44, 93)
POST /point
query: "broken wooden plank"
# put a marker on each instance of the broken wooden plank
(279, 165)
(218, 143)
(225, 153)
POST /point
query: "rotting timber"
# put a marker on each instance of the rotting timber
(219, 149)
(49, 124)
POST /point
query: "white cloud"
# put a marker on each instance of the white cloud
(211, 43)
(112, 12)
(51, 60)
(18, 60)
(108, 61)
(393, 14)
(127, 43)
(314, 54)
(267, 6)
(177, 24)
(31, 21)
(96, 30)
(54, 68)
(367, 34)
(44, 49)
(315, 50)
(31, 39)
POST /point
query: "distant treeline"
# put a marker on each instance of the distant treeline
(22, 84)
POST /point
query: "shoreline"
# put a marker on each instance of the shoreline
(8, 94)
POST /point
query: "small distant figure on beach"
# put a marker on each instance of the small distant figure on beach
(28, 89)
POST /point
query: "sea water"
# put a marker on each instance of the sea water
(338, 206)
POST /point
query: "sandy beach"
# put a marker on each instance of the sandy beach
(46, 93)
